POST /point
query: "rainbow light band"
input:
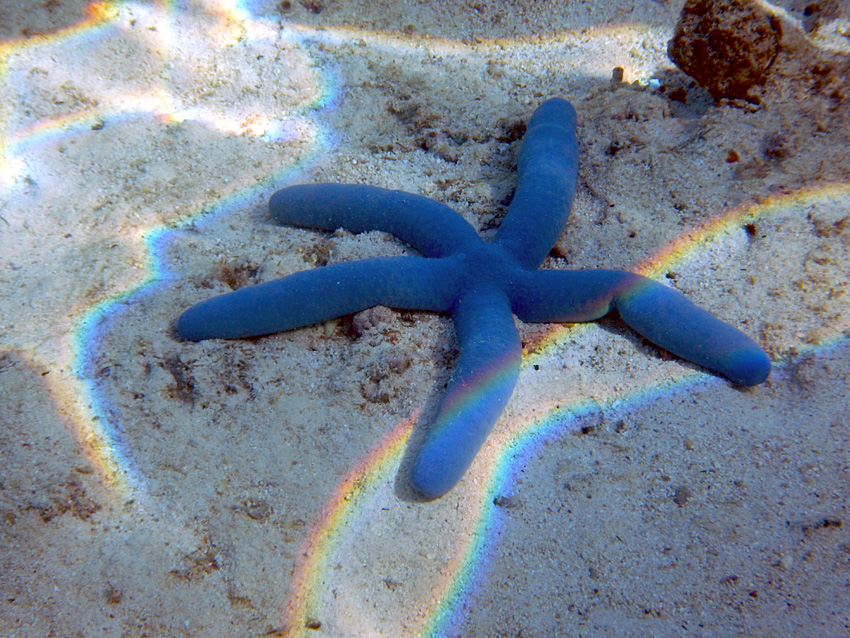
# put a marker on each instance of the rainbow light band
(511, 441)
(101, 441)
(97, 13)
(325, 533)
(73, 389)
(107, 450)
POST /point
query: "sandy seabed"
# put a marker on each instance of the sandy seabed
(150, 487)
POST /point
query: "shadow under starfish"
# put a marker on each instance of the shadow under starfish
(482, 285)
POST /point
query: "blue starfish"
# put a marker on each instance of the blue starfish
(482, 285)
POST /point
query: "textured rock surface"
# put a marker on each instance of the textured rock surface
(727, 46)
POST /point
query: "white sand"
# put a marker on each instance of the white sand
(155, 488)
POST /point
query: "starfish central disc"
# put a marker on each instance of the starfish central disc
(483, 285)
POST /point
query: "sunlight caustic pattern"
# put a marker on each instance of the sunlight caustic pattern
(174, 96)
(109, 134)
(135, 120)
(342, 525)
(169, 87)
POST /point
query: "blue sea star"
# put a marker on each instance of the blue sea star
(481, 284)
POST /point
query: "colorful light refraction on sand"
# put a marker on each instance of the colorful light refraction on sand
(512, 441)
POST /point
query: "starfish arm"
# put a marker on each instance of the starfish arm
(546, 182)
(432, 228)
(663, 315)
(559, 296)
(312, 296)
(486, 372)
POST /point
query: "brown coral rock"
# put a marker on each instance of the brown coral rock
(727, 46)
